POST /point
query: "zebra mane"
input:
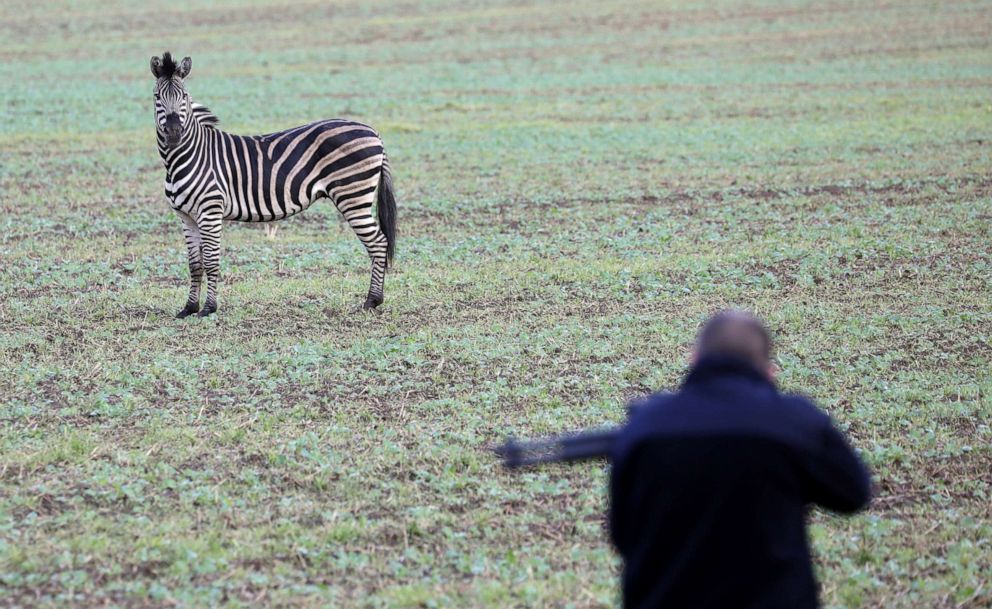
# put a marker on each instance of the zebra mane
(168, 69)
(204, 116)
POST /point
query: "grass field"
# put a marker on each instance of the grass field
(578, 188)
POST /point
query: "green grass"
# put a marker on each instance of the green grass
(578, 189)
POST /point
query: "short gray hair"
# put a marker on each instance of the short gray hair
(735, 333)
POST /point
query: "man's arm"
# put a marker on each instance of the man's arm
(838, 480)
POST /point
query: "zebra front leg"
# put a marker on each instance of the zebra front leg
(192, 235)
(209, 222)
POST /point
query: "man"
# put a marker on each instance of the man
(710, 485)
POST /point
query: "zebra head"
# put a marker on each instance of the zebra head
(173, 106)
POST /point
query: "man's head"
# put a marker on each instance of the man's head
(738, 334)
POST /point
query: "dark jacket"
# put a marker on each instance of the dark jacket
(710, 487)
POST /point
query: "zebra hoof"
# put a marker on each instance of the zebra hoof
(207, 310)
(371, 303)
(189, 309)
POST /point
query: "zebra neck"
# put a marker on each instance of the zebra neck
(192, 151)
(188, 166)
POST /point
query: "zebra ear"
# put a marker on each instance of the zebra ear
(157, 66)
(184, 67)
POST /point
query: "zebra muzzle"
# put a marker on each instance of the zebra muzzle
(172, 129)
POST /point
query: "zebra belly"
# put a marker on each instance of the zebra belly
(280, 211)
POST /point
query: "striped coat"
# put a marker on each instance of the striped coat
(212, 176)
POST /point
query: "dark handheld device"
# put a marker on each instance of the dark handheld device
(581, 446)
(567, 448)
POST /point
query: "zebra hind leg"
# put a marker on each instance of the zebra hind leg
(358, 213)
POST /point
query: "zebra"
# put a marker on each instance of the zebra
(212, 176)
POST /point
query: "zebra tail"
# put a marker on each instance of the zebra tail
(386, 210)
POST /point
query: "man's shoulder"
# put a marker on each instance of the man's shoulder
(684, 413)
(662, 401)
(652, 410)
(643, 415)
(804, 407)
(644, 404)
